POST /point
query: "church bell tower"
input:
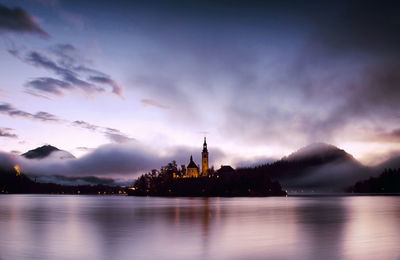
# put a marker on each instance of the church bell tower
(204, 159)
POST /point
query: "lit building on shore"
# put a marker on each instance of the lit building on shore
(192, 170)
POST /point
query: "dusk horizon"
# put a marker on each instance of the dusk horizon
(199, 129)
(260, 87)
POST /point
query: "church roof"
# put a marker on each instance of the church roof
(225, 169)
(191, 163)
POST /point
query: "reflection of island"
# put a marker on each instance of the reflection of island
(190, 181)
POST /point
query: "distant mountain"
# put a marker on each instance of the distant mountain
(316, 167)
(319, 153)
(47, 151)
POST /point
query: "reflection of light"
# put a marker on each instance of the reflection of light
(17, 169)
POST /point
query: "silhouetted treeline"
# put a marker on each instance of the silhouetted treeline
(387, 182)
(12, 183)
(235, 183)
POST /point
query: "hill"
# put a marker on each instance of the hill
(317, 167)
(47, 151)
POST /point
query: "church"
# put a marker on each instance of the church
(192, 170)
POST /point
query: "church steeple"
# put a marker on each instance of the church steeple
(204, 159)
(205, 146)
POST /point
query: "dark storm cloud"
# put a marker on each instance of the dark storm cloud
(341, 70)
(345, 72)
(18, 20)
(10, 110)
(65, 61)
(6, 132)
(114, 160)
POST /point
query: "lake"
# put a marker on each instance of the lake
(118, 227)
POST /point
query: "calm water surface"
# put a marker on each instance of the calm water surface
(96, 227)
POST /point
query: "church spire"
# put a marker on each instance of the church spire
(204, 159)
(205, 146)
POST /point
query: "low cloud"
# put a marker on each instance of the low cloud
(86, 180)
(7, 132)
(257, 161)
(84, 149)
(113, 161)
(18, 20)
(117, 136)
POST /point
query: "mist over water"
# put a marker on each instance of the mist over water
(105, 227)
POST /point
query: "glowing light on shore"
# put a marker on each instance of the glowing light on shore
(17, 170)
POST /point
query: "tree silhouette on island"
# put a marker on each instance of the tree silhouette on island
(216, 183)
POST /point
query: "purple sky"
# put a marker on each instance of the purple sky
(260, 79)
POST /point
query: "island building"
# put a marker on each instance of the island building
(192, 170)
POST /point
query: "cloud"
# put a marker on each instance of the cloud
(116, 88)
(65, 61)
(6, 132)
(117, 136)
(152, 103)
(18, 20)
(84, 124)
(112, 160)
(10, 110)
(84, 149)
(112, 134)
(392, 136)
(49, 85)
(68, 75)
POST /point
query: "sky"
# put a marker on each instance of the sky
(260, 79)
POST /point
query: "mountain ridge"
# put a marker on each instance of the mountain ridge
(47, 151)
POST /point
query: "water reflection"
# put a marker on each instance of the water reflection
(95, 227)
